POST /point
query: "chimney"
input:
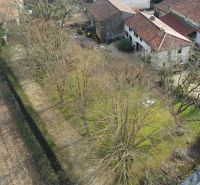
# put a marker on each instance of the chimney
(162, 29)
(152, 18)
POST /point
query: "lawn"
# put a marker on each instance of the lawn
(160, 120)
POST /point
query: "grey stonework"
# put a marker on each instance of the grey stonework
(112, 27)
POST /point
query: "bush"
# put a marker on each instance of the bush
(125, 45)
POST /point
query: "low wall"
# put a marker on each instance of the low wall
(44, 158)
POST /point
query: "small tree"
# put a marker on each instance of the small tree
(183, 88)
(85, 62)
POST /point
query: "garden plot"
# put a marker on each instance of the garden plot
(16, 164)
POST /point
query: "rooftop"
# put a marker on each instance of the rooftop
(189, 8)
(165, 5)
(155, 33)
(177, 24)
(103, 9)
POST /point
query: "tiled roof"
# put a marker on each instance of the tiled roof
(103, 9)
(189, 8)
(155, 33)
(164, 5)
(177, 24)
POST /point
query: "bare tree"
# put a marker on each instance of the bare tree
(48, 54)
(58, 10)
(86, 61)
(183, 88)
(122, 140)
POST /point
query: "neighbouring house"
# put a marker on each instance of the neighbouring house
(182, 15)
(156, 41)
(137, 4)
(163, 7)
(108, 18)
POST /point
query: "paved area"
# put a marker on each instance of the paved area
(16, 165)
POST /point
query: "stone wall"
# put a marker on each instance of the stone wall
(163, 58)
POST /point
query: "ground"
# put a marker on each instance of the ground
(17, 166)
(110, 49)
(70, 147)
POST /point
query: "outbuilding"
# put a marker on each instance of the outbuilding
(108, 18)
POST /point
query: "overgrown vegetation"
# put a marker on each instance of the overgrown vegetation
(133, 125)
(125, 45)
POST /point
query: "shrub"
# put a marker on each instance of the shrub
(125, 45)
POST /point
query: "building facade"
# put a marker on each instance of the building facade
(197, 39)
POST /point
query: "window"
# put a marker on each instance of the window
(180, 51)
(130, 29)
(130, 38)
(126, 33)
(141, 39)
(136, 35)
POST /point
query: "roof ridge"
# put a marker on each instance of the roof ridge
(112, 4)
(162, 41)
(148, 19)
(121, 6)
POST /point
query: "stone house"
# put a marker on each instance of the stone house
(108, 17)
(182, 15)
(155, 41)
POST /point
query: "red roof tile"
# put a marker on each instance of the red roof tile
(103, 9)
(190, 8)
(155, 33)
(177, 24)
(164, 5)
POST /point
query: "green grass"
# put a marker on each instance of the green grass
(163, 119)
(193, 124)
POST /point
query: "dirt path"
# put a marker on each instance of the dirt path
(71, 146)
(16, 165)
